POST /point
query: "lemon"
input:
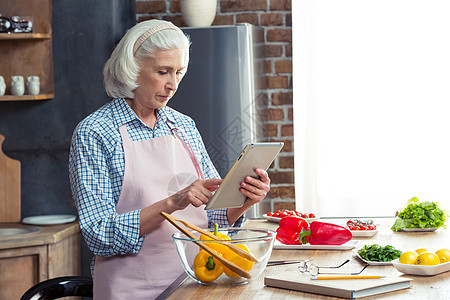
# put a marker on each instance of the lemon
(421, 250)
(427, 259)
(408, 257)
(444, 255)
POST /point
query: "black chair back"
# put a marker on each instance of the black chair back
(60, 287)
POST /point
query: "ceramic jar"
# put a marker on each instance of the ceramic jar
(17, 86)
(33, 85)
(2, 86)
(198, 13)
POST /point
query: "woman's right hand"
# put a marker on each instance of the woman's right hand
(197, 193)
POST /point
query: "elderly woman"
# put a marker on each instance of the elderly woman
(134, 158)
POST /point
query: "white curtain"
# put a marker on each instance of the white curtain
(371, 85)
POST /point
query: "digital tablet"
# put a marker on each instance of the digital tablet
(254, 155)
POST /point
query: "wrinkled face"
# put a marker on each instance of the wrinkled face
(159, 77)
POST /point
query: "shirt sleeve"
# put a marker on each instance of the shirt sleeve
(219, 216)
(106, 232)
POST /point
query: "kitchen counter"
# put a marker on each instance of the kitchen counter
(27, 259)
(423, 287)
(48, 234)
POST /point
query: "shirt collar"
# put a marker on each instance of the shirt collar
(123, 113)
(164, 115)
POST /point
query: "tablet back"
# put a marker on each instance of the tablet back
(254, 155)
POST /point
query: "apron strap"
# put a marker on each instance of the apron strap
(124, 132)
(187, 146)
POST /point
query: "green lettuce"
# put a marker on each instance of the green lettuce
(376, 252)
(420, 215)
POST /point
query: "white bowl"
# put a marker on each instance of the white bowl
(418, 229)
(372, 263)
(420, 269)
(364, 233)
(258, 241)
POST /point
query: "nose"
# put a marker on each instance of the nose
(172, 82)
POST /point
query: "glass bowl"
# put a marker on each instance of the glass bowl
(258, 241)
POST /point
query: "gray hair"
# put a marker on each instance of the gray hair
(122, 68)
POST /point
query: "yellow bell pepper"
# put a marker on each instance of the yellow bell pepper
(218, 246)
(216, 233)
(238, 260)
(206, 267)
(227, 253)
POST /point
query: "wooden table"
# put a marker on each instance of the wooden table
(431, 287)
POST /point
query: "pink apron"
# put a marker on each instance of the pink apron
(154, 170)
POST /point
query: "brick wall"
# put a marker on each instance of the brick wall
(274, 16)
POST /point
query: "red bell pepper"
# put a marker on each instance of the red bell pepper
(322, 233)
(290, 228)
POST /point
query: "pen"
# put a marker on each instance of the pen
(347, 277)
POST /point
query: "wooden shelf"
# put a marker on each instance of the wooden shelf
(27, 97)
(28, 54)
(24, 36)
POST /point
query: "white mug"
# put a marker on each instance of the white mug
(17, 86)
(2, 86)
(33, 85)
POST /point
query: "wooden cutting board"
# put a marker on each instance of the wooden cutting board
(9, 187)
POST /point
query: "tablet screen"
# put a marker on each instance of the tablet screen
(254, 155)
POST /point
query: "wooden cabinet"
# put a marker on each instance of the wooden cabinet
(28, 259)
(28, 54)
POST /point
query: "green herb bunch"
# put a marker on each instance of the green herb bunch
(379, 253)
(420, 215)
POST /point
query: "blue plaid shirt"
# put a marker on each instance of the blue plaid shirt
(96, 170)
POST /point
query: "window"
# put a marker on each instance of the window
(371, 85)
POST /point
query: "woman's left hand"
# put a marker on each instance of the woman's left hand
(256, 189)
